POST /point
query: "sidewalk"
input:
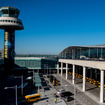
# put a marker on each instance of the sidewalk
(47, 97)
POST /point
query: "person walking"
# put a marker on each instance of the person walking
(55, 100)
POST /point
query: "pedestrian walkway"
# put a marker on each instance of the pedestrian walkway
(48, 98)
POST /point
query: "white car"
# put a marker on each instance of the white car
(101, 59)
(60, 91)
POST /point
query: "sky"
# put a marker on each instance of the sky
(52, 25)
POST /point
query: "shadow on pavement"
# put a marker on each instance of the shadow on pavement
(44, 98)
(92, 88)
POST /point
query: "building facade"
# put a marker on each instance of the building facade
(75, 52)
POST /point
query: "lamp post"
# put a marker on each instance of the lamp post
(21, 84)
(15, 91)
(61, 82)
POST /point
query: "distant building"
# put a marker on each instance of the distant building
(35, 63)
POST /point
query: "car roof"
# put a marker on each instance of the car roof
(66, 92)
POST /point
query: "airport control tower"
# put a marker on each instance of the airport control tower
(9, 22)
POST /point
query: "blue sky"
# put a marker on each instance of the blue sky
(52, 25)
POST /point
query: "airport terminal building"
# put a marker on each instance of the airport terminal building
(86, 63)
(75, 52)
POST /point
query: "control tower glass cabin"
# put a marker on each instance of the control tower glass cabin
(9, 22)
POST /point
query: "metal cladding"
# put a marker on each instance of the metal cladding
(9, 22)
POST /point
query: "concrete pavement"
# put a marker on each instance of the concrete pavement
(48, 98)
(85, 98)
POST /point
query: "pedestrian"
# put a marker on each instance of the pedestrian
(55, 100)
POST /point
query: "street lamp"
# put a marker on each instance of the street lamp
(21, 83)
(61, 82)
(15, 91)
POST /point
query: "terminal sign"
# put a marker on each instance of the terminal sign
(5, 47)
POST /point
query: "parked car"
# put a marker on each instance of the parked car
(60, 91)
(65, 93)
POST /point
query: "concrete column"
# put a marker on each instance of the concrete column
(66, 71)
(84, 76)
(61, 68)
(73, 74)
(102, 86)
(58, 68)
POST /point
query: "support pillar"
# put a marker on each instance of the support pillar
(58, 68)
(73, 74)
(102, 86)
(9, 47)
(84, 76)
(66, 71)
(61, 68)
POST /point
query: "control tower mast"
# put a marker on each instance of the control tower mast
(9, 22)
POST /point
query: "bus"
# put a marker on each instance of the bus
(32, 97)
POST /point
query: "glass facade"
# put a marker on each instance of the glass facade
(9, 12)
(75, 52)
(35, 63)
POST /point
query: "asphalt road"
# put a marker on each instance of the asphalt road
(80, 97)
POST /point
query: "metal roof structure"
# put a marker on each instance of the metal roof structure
(84, 47)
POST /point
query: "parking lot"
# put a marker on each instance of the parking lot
(51, 85)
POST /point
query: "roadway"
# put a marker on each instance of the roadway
(80, 97)
(47, 94)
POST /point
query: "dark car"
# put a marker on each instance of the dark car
(65, 93)
(68, 98)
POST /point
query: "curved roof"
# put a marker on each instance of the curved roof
(85, 47)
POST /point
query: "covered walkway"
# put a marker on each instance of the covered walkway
(84, 64)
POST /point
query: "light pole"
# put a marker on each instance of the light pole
(15, 91)
(21, 84)
(61, 82)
